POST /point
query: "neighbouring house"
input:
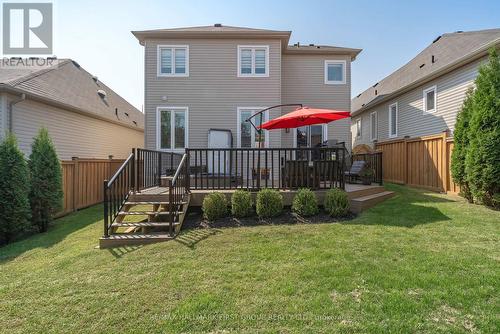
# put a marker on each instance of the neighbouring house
(84, 117)
(215, 77)
(424, 96)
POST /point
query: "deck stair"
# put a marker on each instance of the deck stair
(145, 221)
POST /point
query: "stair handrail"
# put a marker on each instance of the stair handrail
(116, 191)
(177, 191)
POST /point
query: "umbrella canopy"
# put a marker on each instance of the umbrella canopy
(304, 116)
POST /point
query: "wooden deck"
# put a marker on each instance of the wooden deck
(361, 196)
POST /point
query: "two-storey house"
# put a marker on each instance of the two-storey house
(215, 77)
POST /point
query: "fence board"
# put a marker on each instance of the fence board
(421, 162)
(82, 181)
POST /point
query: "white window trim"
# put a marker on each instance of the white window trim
(425, 91)
(372, 136)
(360, 132)
(158, 61)
(238, 126)
(253, 75)
(334, 82)
(390, 120)
(172, 128)
(325, 134)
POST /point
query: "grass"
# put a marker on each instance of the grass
(420, 262)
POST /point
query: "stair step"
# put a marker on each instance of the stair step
(144, 224)
(362, 203)
(149, 203)
(117, 240)
(143, 213)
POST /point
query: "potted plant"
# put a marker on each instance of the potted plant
(366, 175)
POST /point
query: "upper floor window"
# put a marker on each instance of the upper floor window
(173, 60)
(393, 120)
(171, 128)
(247, 135)
(373, 125)
(253, 60)
(430, 99)
(358, 128)
(335, 72)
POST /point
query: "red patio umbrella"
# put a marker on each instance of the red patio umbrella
(304, 116)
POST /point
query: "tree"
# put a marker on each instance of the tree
(14, 190)
(461, 145)
(482, 163)
(46, 193)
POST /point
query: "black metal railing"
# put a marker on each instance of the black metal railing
(152, 165)
(373, 161)
(256, 168)
(178, 187)
(117, 190)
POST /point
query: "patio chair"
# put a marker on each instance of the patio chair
(356, 167)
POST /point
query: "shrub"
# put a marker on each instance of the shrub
(46, 193)
(461, 145)
(14, 190)
(481, 162)
(269, 203)
(214, 206)
(241, 203)
(305, 203)
(336, 203)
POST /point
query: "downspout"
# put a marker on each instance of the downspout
(21, 98)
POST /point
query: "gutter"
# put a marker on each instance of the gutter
(474, 55)
(35, 97)
(21, 98)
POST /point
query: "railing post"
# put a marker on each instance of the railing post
(342, 169)
(380, 165)
(133, 176)
(159, 168)
(106, 213)
(186, 175)
(170, 207)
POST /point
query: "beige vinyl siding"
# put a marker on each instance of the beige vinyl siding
(212, 92)
(304, 82)
(73, 134)
(412, 121)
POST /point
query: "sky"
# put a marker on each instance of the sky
(97, 35)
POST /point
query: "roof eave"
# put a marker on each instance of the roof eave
(470, 57)
(35, 97)
(152, 34)
(353, 53)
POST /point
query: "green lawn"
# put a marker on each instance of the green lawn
(419, 262)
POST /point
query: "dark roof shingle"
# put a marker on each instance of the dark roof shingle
(444, 50)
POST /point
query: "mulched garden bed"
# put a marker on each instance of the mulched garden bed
(195, 220)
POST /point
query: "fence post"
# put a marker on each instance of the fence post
(76, 176)
(444, 161)
(405, 166)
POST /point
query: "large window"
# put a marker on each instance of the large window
(253, 61)
(172, 128)
(430, 99)
(335, 72)
(173, 60)
(310, 136)
(393, 120)
(373, 125)
(247, 135)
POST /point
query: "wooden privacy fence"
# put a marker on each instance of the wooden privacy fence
(83, 179)
(421, 162)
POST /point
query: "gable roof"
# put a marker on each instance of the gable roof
(67, 85)
(447, 51)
